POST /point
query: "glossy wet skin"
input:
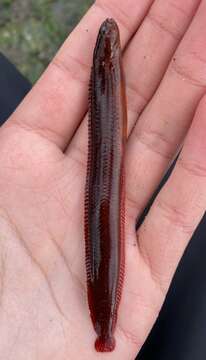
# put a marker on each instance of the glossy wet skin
(104, 200)
(108, 42)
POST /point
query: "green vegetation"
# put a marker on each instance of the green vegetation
(31, 31)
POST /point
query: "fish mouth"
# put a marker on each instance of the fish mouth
(109, 28)
(108, 41)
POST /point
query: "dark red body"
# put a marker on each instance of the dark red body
(104, 198)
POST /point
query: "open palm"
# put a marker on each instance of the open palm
(43, 151)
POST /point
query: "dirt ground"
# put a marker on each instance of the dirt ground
(31, 31)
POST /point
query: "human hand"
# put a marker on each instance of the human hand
(43, 151)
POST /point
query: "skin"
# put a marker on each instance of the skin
(43, 151)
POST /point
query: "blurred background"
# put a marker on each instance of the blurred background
(31, 31)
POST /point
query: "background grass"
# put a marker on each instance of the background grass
(31, 31)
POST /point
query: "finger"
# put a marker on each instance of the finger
(150, 52)
(179, 206)
(58, 101)
(161, 128)
(145, 60)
